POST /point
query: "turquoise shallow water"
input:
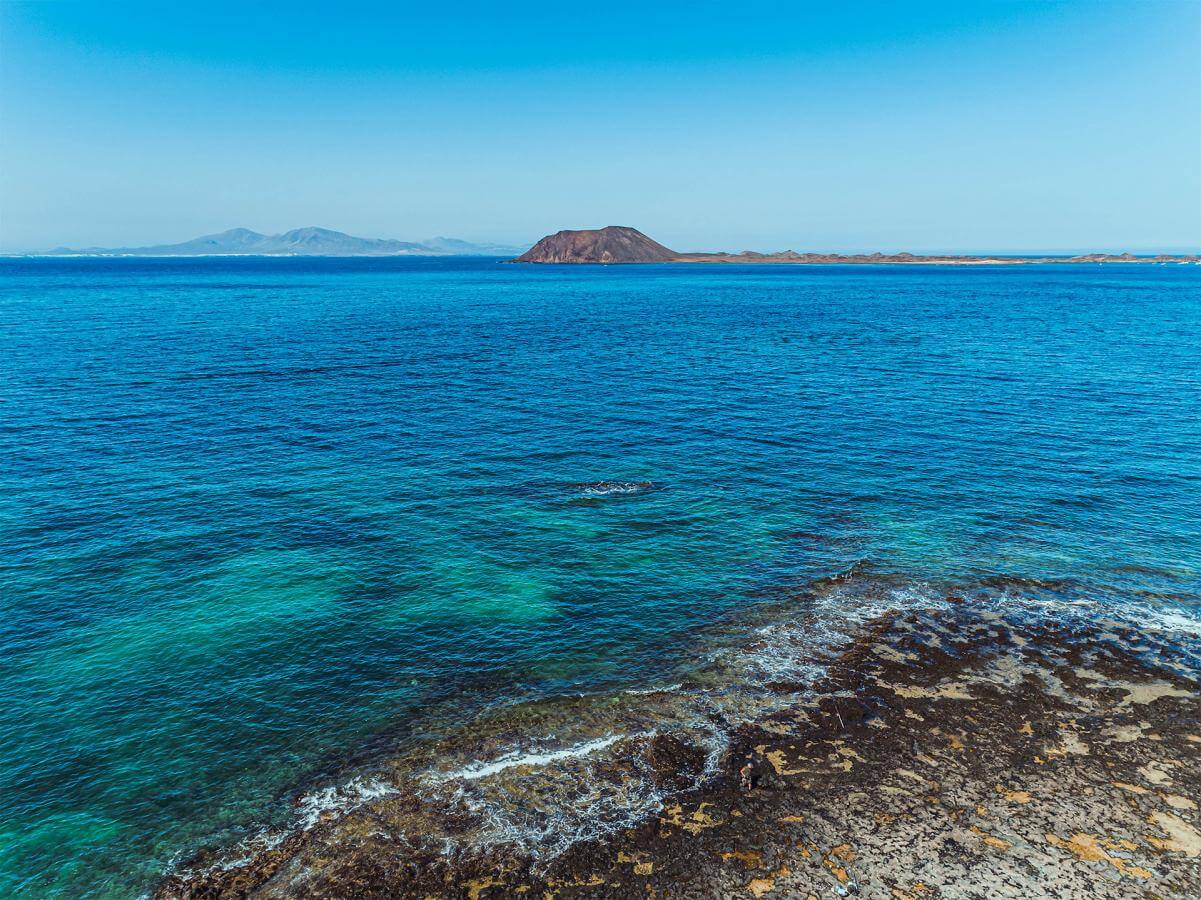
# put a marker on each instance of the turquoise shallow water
(256, 515)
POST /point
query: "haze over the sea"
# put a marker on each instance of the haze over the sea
(989, 127)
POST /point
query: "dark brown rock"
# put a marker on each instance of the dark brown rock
(675, 762)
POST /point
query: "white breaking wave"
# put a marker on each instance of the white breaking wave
(310, 808)
(340, 799)
(1175, 621)
(644, 692)
(252, 847)
(797, 650)
(603, 488)
(1179, 620)
(511, 760)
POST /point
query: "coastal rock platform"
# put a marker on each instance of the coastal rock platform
(958, 751)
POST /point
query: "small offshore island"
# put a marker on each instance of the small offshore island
(622, 244)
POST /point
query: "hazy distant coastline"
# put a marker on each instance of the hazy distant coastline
(309, 241)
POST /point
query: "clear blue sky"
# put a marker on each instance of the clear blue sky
(899, 126)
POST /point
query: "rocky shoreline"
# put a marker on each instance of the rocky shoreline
(955, 750)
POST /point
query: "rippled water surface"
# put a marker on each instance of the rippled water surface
(257, 516)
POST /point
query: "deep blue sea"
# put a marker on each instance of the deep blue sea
(256, 515)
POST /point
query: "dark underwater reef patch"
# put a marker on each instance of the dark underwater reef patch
(613, 488)
(935, 747)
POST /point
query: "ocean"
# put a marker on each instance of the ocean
(265, 520)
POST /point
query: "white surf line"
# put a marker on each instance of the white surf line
(310, 808)
(477, 771)
(340, 799)
(666, 689)
(1178, 620)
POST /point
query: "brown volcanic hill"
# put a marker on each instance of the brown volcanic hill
(621, 244)
(614, 244)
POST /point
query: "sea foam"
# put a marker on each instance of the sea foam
(517, 758)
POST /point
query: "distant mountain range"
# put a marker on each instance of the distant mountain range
(297, 242)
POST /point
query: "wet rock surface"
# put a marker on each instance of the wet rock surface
(950, 752)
